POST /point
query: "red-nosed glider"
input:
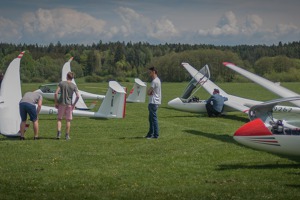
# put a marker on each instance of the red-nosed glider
(273, 132)
(272, 128)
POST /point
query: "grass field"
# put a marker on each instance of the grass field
(194, 158)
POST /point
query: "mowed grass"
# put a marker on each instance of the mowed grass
(195, 157)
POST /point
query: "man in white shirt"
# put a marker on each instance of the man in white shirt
(154, 93)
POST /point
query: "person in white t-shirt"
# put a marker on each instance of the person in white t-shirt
(154, 93)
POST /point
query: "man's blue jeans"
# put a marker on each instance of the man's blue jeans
(153, 121)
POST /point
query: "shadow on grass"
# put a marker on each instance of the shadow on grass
(28, 138)
(293, 185)
(236, 118)
(222, 138)
(204, 115)
(263, 166)
(4, 138)
(132, 138)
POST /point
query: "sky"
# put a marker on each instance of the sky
(216, 22)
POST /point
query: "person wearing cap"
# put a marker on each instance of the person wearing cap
(215, 104)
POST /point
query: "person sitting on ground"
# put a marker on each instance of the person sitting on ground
(215, 104)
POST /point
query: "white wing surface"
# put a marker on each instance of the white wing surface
(269, 85)
(10, 96)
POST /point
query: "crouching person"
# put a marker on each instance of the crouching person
(27, 105)
(215, 104)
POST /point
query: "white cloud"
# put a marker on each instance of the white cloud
(228, 19)
(227, 26)
(136, 24)
(126, 24)
(60, 23)
(283, 29)
(9, 30)
(253, 24)
(252, 30)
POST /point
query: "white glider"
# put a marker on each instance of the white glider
(280, 135)
(137, 94)
(10, 96)
(269, 130)
(186, 102)
(48, 91)
(113, 105)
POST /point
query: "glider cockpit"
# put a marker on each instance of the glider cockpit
(48, 88)
(194, 86)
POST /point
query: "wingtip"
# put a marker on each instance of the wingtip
(21, 54)
(70, 59)
(227, 63)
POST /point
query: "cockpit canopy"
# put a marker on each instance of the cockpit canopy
(49, 88)
(194, 84)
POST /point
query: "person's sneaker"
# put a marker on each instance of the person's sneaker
(35, 138)
(67, 137)
(148, 136)
(22, 138)
(152, 137)
(58, 135)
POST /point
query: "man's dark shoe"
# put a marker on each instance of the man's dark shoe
(153, 137)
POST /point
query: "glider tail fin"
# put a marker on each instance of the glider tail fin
(114, 103)
(138, 92)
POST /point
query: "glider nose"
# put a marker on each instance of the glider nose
(253, 128)
(175, 102)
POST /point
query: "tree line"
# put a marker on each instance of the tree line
(121, 61)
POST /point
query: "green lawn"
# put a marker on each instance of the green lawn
(194, 158)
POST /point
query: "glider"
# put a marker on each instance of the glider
(201, 79)
(234, 103)
(137, 94)
(113, 105)
(274, 134)
(268, 130)
(48, 90)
